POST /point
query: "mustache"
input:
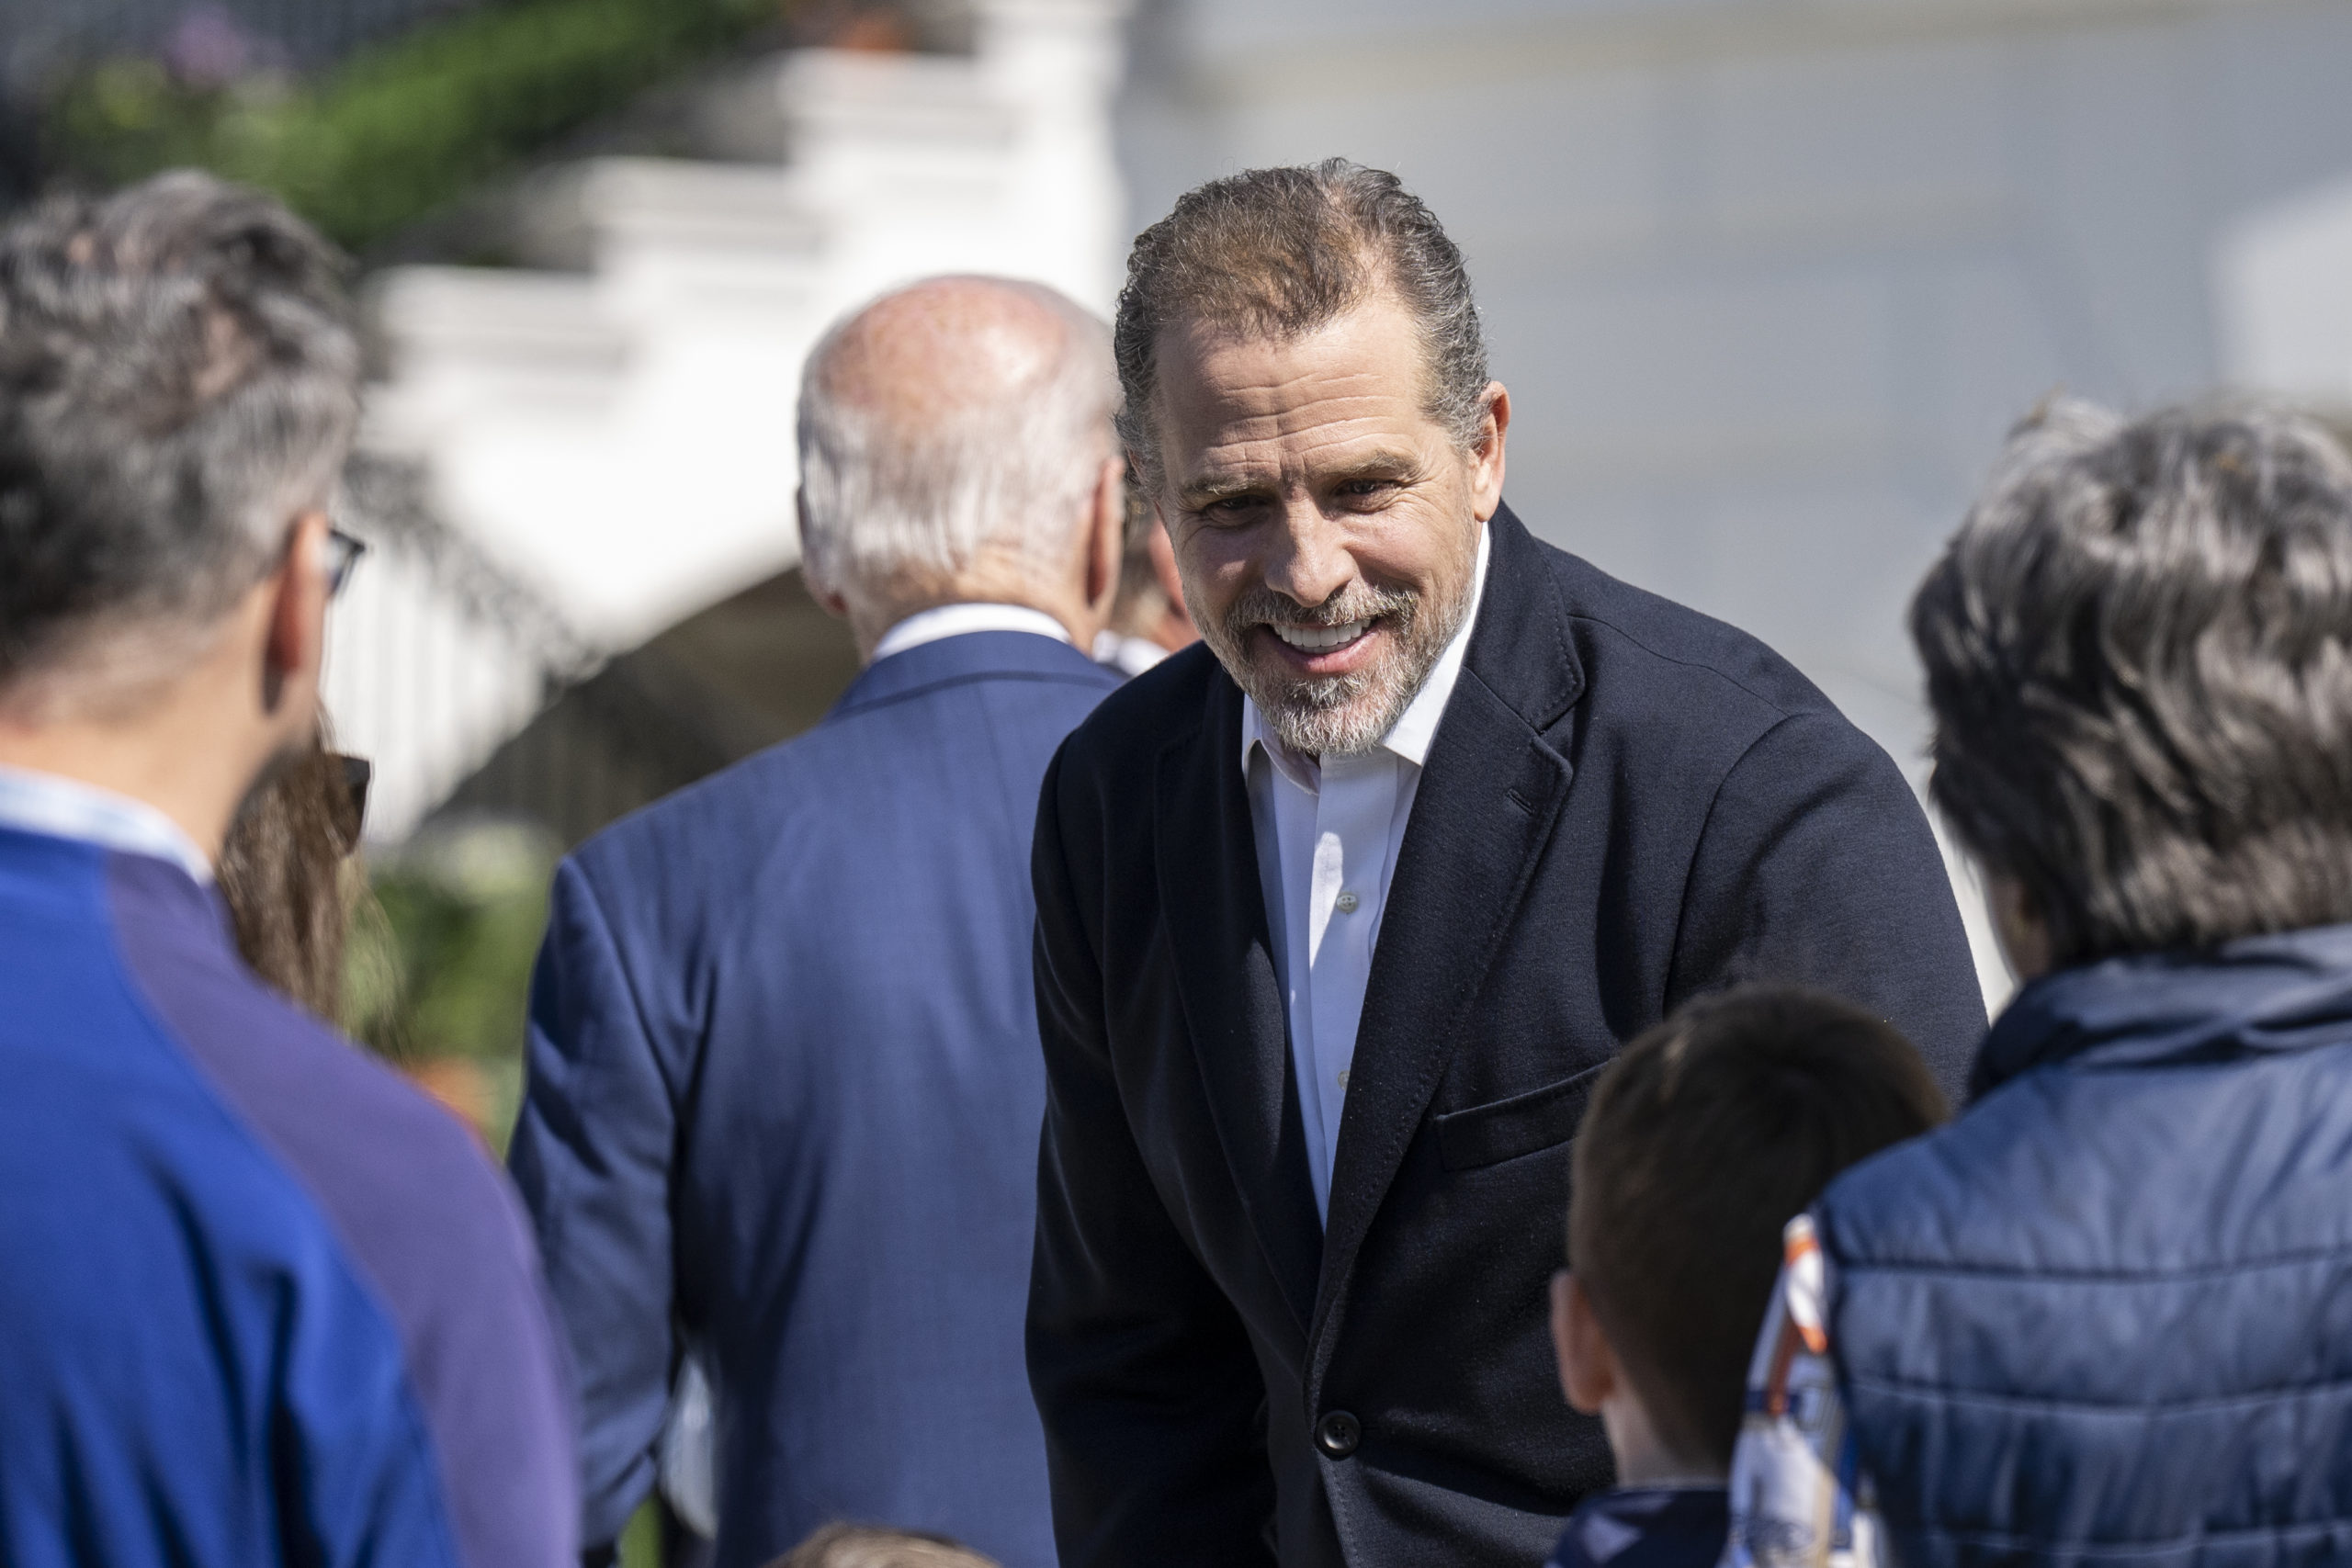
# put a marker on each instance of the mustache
(1358, 602)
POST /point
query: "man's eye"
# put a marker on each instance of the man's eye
(1362, 488)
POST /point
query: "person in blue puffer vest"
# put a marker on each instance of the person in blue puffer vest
(2105, 1316)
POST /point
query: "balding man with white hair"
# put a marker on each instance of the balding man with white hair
(784, 1088)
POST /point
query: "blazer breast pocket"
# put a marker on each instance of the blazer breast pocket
(1523, 1124)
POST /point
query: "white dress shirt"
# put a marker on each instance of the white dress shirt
(1129, 655)
(67, 808)
(1328, 834)
(954, 620)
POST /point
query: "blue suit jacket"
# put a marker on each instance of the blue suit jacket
(785, 1096)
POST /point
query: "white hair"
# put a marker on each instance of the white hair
(885, 505)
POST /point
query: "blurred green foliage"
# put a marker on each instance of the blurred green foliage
(439, 980)
(641, 1541)
(401, 128)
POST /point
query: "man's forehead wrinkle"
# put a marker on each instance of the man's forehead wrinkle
(1369, 440)
(1321, 422)
(1298, 402)
(1221, 388)
(1287, 411)
(1340, 422)
(1284, 375)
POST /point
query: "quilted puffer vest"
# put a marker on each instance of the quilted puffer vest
(2106, 1315)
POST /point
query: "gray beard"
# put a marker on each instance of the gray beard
(1340, 715)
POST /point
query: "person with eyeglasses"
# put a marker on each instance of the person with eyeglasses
(261, 1300)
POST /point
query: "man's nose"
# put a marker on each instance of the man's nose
(1310, 560)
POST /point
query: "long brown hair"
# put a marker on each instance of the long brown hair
(282, 873)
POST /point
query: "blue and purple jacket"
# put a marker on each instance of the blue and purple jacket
(260, 1301)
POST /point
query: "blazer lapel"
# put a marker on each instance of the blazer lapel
(1489, 795)
(1216, 918)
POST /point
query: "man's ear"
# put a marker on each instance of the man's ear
(1107, 535)
(1486, 463)
(295, 648)
(827, 599)
(1590, 1375)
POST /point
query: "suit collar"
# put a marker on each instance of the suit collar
(2281, 992)
(958, 620)
(1520, 650)
(1207, 852)
(972, 656)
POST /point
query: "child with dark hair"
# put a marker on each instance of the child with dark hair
(1703, 1141)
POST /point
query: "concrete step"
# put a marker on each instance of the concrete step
(676, 238)
(468, 341)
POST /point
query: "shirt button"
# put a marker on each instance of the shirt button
(1343, 1077)
(1347, 903)
(1337, 1433)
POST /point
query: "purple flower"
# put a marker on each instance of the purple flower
(208, 48)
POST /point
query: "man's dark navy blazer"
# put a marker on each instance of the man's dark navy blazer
(785, 1093)
(1626, 804)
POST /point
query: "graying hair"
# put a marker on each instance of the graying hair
(883, 505)
(1282, 252)
(2139, 655)
(178, 379)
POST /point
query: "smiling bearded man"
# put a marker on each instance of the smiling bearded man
(1338, 916)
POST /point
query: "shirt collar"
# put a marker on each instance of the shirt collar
(1416, 729)
(954, 620)
(1129, 655)
(66, 808)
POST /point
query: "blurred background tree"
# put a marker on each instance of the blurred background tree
(395, 130)
(439, 982)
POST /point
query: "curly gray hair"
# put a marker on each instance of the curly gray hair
(2139, 655)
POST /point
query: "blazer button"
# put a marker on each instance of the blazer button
(1337, 1433)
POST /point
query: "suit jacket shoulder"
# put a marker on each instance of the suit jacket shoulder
(709, 843)
(1634, 650)
(1164, 705)
(1641, 644)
